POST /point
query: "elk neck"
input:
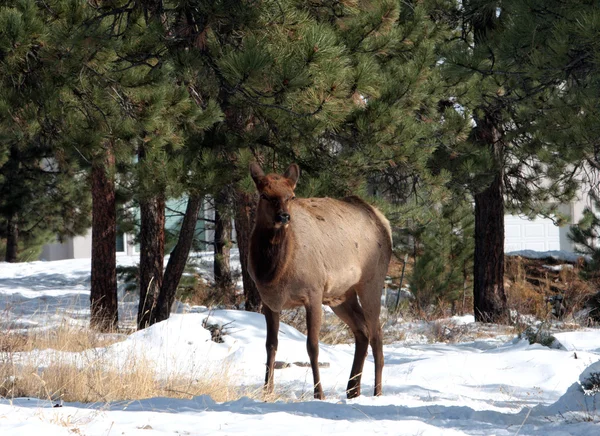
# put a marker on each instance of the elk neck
(271, 252)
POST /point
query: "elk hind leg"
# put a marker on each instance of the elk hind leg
(370, 300)
(352, 314)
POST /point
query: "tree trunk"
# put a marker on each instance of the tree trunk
(222, 247)
(245, 210)
(103, 296)
(177, 260)
(152, 254)
(12, 238)
(488, 270)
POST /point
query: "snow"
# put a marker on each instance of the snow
(495, 386)
(567, 256)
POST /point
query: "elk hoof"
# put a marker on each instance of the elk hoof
(353, 393)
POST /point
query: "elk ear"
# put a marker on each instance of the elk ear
(256, 172)
(292, 174)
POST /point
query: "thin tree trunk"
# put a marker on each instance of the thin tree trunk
(488, 269)
(177, 260)
(12, 238)
(152, 254)
(103, 295)
(222, 247)
(245, 210)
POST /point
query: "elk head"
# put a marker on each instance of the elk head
(276, 194)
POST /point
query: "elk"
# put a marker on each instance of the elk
(313, 251)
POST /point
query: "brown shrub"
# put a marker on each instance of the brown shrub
(529, 283)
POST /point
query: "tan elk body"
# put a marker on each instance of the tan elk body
(313, 251)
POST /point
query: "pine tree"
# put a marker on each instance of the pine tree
(561, 60)
(486, 142)
(443, 269)
(168, 157)
(503, 162)
(119, 101)
(93, 123)
(346, 90)
(38, 187)
(391, 137)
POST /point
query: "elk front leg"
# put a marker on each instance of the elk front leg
(272, 319)
(313, 325)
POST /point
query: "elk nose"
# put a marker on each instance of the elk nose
(283, 218)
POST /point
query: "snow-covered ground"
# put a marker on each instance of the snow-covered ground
(498, 386)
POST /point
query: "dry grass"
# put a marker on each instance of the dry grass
(524, 296)
(205, 294)
(64, 338)
(65, 365)
(528, 283)
(99, 381)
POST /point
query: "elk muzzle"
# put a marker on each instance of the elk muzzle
(282, 218)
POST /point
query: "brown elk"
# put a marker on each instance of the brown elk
(313, 251)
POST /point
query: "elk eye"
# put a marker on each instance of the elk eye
(293, 197)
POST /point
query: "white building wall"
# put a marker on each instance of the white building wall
(541, 234)
(57, 251)
(80, 247)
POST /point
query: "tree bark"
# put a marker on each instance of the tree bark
(12, 239)
(488, 270)
(152, 254)
(245, 210)
(177, 261)
(103, 295)
(222, 246)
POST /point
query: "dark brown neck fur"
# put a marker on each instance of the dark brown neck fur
(271, 251)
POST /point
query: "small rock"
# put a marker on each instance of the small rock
(307, 364)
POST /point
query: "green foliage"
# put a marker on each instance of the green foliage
(81, 80)
(564, 58)
(444, 247)
(586, 235)
(378, 98)
(130, 276)
(41, 191)
(342, 89)
(390, 135)
(487, 67)
(30, 247)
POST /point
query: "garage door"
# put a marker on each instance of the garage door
(539, 234)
